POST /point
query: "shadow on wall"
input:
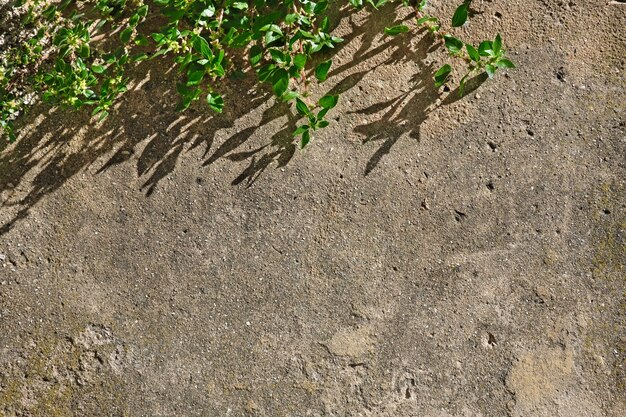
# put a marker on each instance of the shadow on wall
(147, 128)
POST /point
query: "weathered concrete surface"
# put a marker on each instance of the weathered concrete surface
(421, 258)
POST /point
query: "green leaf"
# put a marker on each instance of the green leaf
(273, 33)
(306, 138)
(256, 54)
(195, 77)
(322, 124)
(321, 72)
(141, 40)
(325, 24)
(453, 44)
(139, 57)
(201, 45)
(83, 51)
(427, 19)
(504, 63)
(278, 56)
(299, 61)
(497, 45)
(491, 70)
(208, 12)
(240, 5)
(396, 30)
(290, 95)
(302, 108)
(422, 5)
(294, 72)
(98, 69)
(460, 15)
(126, 34)
(266, 71)
(328, 101)
(216, 102)
(301, 130)
(142, 11)
(134, 19)
(472, 52)
(280, 82)
(442, 75)
(485, 48)
(462, 85)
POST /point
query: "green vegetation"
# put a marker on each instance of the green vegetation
(77, 53)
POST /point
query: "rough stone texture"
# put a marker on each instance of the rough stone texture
(426, 256)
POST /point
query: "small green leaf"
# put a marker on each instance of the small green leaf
(460, 15)
(442, 75)
(139, 57)
(427, 19)
(453, 44)
(266, 71)
(142, 11)
(278, 56)
(321, 72)
(208, 12)
(491, 70)
(141, 40)
(98, 69)
(462, 85)
(201, 45)
(306, 138)
(280, 81)
(422, 5)
(195, 77)
(328, 101)
(273, 33)
(485, 48)
(302, 108)
(240, 5)
(472, 52)
(256, 54)
(325, 24)
(126, 34)
(84, 51)
(322, 124)
(299, 61)
(301, 130)
(396, 30)
(216, 102)
(290, 95)
(504, 63)
(497, 44)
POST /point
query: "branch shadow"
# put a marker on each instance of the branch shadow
(145, 129)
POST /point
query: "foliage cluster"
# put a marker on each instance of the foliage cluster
(80, 51)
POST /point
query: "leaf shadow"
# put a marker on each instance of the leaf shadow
(145, 129)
